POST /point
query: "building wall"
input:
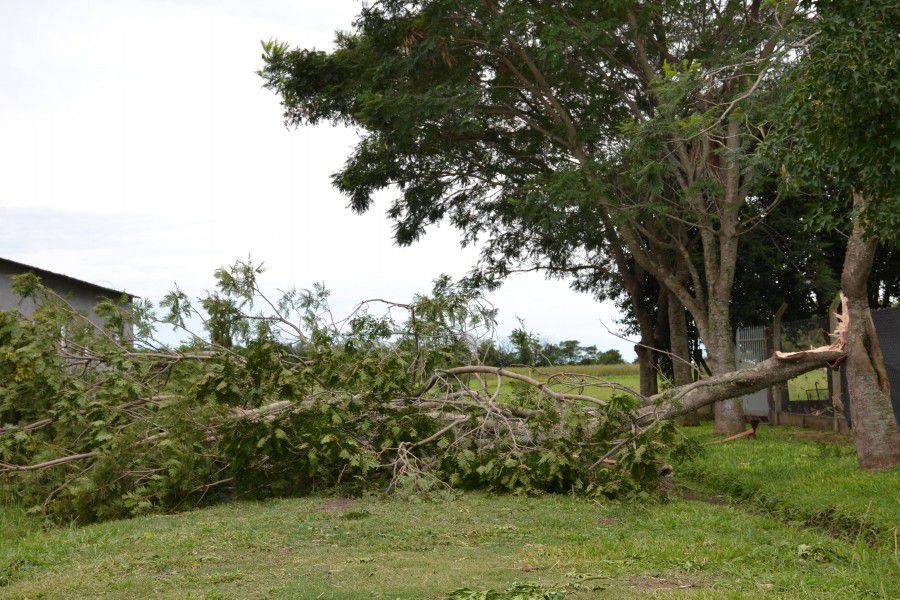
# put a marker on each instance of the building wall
(81, 295)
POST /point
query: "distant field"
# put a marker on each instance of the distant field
(621, 370)
(798, 386)
(623, 374)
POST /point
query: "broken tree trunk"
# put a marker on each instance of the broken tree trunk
(875, 429)
(779, 368)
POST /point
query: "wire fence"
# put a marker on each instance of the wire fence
(813, 393)
(809, 393)
(752, 345)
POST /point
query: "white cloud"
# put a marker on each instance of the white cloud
(139, 148)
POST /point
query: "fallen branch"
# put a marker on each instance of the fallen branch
(63, 460)
(749, 434)
(50, 420)
(540, 385)
(777, 369)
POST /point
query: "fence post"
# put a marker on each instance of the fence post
(775, 408)
(834, 376)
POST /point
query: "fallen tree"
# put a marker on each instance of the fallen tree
(276, 396)
(777, 369)
(286, 400)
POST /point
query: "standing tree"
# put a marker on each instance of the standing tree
(526, 346)
(632, 124)
(841, 132)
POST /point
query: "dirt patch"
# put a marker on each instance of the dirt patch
(687, 494)
(658, 583)
(338, 504)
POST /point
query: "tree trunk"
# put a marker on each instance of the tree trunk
(680, 400)
(633, 281)
(681, 354)
(647, 358)
(646, 366)
(728, 414)
(875, 429)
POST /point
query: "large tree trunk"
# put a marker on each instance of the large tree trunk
(875, 429)
(777, 369)
(681, 353)
(646, 366)
(633, 280)
(728, 413)
(647, 357)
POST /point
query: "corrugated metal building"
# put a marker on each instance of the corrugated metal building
(81, 295)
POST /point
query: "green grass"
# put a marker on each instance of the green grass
(379, 547)
(395, 548)
(619, 370)
(623, 374)
(805, 475)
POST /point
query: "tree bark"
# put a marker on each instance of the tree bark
(632, 276)
(680, 400)
(661, 330)
(646, 366)
(681, 354)
(875, 429)
(728, 413)
(647, 358)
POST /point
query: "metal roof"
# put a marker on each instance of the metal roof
(39, 271)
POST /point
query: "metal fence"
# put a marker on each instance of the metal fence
(810, 393)
(751, 347)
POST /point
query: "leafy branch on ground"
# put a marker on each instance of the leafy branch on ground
(277, 396)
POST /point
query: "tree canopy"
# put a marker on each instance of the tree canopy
(614, 141)
(619, 143)
(840, 126)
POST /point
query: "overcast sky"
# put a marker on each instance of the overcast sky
(139, 149)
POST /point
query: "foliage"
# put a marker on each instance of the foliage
(526, 348)
(277, 397)
(840, 128)
(632, 162)
(570, 352)
(494, 117)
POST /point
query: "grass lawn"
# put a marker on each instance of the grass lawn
(801, 474)
(395, 548)
(800, 387)
(807, 524)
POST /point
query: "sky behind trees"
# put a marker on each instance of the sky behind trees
(139, 149)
